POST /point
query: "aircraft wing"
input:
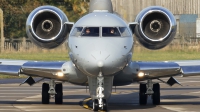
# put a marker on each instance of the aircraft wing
(155, 70)
(34, 68)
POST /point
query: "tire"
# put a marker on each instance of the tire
(104, 105)
(95, 105)
(156, 95)
(142, 96)
(59, 94)
(45, 94)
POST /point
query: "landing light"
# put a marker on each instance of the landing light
(141, 74)
(59, 74)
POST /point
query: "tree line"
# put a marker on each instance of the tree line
(16, 12)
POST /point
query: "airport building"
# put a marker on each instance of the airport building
(186, 12)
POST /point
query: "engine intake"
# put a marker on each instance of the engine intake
(156, 27)
(47, 27)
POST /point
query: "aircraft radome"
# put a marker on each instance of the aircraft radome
(100, 48)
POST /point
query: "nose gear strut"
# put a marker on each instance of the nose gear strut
(100, 102)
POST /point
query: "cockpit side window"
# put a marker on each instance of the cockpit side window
(77, 31)
(124, 31)
(110, 32)
(90, 31)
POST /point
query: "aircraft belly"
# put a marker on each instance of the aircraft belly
(121, 79)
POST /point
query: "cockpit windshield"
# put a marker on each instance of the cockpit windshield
(77, 31)
(90, 31)
(124, 31)
(110, 31)
(106, 32)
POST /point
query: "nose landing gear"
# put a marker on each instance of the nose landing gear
(100, 103)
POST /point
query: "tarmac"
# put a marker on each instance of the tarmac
(185, 98)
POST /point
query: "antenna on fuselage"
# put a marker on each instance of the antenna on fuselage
(101, 5)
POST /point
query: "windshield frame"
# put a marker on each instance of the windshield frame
(100, 31)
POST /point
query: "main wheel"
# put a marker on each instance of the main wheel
(104, 105)
(59, 94)
(45, 94)
(95, 105)
(142, 95)
(156, 95)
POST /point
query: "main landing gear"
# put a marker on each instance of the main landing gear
(100, 103)
(149, 89)
(52, 90)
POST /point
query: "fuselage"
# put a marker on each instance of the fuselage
(100, 42)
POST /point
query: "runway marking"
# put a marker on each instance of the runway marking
(169, 100)
(30, 98)
(7, 106)
(18, 87)
(19, 90)
(36, 96)
(195, 92)
(9, 110)
(32, 90)
(17, 93)
(33, 110)
(176, 109)
(189, 81)
(11, 96)
(129, 85)
(8, 99)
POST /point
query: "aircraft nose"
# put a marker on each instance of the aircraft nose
(105, 62)
(101, 55)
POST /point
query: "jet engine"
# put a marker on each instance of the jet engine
(47, 26)
(156, 27)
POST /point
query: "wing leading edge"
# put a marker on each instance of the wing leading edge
(155, 70)
(33, 68)
(60, 70)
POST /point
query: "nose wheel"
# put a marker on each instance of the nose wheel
(104, 107)
(96, 105)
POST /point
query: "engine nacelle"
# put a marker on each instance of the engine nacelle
(156, 27)
(47, 26)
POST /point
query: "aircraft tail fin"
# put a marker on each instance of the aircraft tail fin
(101, 5)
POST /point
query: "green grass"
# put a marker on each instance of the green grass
(140, 54)
(165, 55)
(39, 56)
(12, 77)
